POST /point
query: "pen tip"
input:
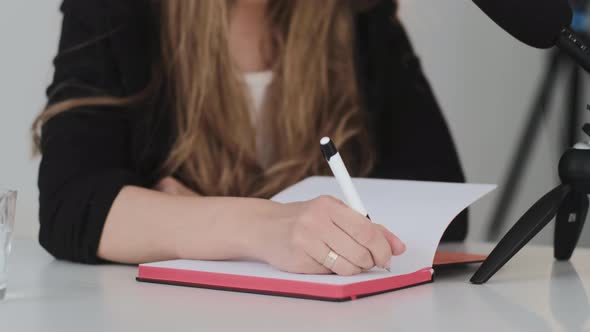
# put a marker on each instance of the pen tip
(388, 269)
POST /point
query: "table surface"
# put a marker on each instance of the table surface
(532, 293)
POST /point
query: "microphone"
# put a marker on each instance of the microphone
(540, 24)
(580, 20)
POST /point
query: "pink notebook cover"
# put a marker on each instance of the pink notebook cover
(314, 290)
(282, 287)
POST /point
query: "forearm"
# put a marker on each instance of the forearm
(145, 225)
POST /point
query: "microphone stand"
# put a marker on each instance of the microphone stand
(568, 201)
(538, 112)
(557, 60)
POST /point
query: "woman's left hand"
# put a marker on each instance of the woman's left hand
(172, 186)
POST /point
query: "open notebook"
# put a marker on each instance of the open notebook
(418, 212)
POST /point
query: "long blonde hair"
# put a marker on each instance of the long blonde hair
(314, 93)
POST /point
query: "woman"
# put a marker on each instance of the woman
(170, 124)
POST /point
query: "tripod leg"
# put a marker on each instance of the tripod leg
(574, 102)
(531, 223)
(510, 186)
(568, 225)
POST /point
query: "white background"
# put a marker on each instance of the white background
(483, 78)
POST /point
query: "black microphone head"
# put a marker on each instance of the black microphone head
(536, 23)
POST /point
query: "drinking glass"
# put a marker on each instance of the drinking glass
(7, 207)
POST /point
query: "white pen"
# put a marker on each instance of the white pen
(342, 177)
(351, 195)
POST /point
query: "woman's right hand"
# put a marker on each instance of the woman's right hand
(301, 238)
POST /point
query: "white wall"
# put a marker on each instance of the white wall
(28, 30)
(484, 80)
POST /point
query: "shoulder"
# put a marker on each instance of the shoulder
(107, 18)
(122, 29)
(93, 11)
(377, 6)
(379, 23)
(383, 46)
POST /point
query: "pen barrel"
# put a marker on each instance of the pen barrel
(345, 182)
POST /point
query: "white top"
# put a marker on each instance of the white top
(531, 293)
(258, 83)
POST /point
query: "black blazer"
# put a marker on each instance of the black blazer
(90, 153)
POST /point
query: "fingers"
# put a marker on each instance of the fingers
(346, 246)
(172, 186)
(365, 233)
(327, 224)
(397, 246)
(182, 190)
(311, 266)
(345, 268)
(319, 251)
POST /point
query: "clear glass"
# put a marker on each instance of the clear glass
(7, 209)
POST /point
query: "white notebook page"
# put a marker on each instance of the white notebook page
(417, 212)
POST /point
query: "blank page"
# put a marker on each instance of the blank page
(263, 270)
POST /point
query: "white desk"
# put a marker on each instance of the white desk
(532, 293)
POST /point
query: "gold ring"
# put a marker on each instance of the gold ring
(330, 260)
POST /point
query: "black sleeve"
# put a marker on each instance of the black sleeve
(413, 137)
(85, 151)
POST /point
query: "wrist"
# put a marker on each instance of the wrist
(231, 228)
(262, 230)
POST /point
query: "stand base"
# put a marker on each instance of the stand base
(568, 201)
(529, 225)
